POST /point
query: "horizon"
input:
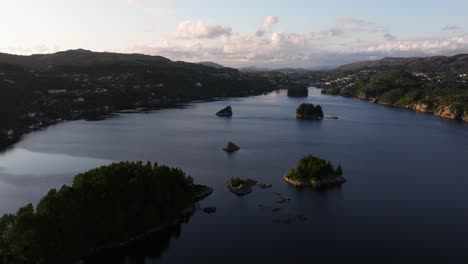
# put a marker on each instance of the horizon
(264, 34)
(247, 67)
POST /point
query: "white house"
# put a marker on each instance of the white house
(198, 84)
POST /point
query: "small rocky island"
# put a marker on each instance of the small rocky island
(225, 112)
(314, 172)
(309, 111)
(231, 147)
(298, 91)
(241, 186)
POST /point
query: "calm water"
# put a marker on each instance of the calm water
(406, 200)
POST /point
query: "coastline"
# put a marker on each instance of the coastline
(315, 184)
(99, 116)
(417, 107)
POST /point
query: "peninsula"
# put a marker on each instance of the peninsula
(103, 207)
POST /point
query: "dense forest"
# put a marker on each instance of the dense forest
(103, 206)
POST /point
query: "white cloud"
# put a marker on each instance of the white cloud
(267, 25)
(200, 30)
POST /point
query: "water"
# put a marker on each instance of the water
(405, 200)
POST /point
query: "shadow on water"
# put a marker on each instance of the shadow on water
(152, 247)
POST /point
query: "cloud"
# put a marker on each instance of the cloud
(268, 24)
(200, 30)
(421, 47)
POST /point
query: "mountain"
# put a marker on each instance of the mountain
(457, 63)
(212, 64)
(78, 57)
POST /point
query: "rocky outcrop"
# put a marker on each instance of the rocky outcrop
(421, 107)
(226, 112)
(231, 147)
(450, 111)
(323, 183)
(241, 186)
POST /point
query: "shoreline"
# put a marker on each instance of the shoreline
(100, 116)
(413, 107)
(337, 181)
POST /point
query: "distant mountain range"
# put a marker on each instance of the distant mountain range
(457, 63)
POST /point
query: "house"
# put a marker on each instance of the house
(59, 91)
(198, 84)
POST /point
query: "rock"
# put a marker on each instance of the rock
(231, 147)
(332, 117)
(226, 112)
(451, 111)
(210, 210)
(241, 186)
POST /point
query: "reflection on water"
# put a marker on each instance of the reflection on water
(140, 252)
(405, 198)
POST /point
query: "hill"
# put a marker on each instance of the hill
(212, 64)
(457, 63)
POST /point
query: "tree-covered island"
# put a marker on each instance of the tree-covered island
(309, 111)
(314, 172)
(103, 207)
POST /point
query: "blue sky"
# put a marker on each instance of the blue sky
(294, 33)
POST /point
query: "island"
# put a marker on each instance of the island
(231, 147)
(241, 186)
(298, 91)
(309, 111)
(315, 172)
(225, 112)
(103, 208)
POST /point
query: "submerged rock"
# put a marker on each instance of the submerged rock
(231, 147)
(227, 112)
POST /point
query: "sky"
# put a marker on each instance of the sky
(240, 33)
